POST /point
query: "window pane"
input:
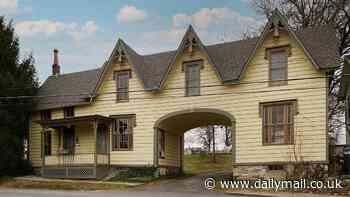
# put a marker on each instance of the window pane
(278, 74)
(278, 123)
(192, 80)
(278, 134)
(123, 85)
(124, 134)
(278, 65)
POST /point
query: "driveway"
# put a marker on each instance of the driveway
(53, 193)
(187, 187)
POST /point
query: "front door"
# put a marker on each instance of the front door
(102, 139)
(69, 140)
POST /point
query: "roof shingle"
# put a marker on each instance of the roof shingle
(229, 58)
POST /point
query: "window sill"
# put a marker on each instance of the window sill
(281, 144)
(121, 101)
(192, 95)
(278, 83)
(123, 150)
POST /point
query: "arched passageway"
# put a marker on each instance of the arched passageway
(170, 129)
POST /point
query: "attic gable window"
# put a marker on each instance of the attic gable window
(278, 65)
(122, 80)
(192, 77)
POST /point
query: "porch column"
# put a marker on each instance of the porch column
(109, 137)
(155, 149)
(95, 125)
(43, 149)
(181, 139)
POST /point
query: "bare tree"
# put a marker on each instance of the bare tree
(302, 14)
(207, 138)
(228, 136)
(212, 128)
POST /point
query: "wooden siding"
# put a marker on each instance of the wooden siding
(172, 151)
(310, 122)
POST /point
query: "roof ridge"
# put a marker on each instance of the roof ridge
(76, 72)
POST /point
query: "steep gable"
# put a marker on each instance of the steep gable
(229, 60)
(189, 44)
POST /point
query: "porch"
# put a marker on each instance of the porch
(76, 147)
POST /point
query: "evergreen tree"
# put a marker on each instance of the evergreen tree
(17, 78)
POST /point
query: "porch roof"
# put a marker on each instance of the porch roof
(65, 121)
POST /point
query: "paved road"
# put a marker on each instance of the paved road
(193, 184)
(188, 187)
(51, 193)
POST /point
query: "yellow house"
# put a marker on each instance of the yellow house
(134, 110)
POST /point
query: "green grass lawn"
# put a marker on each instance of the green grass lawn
(194, 164)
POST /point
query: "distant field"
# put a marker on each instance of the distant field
(194, 164)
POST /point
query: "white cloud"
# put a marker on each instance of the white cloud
(212, 16)
(8, 6)
(213, 25)
(33, 28)
(88, 29)
(129, 14)
(247, 1)
(50, 28)
(172, 34)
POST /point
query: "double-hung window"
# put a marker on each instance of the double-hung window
(278, 122)
(278, 73)
(122, 79)
(192, 78)
(123, 133)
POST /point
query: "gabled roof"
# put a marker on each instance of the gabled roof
(229, 60)
(67, 89)
(190, 33)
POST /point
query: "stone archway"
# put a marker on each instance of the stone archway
(178, 122)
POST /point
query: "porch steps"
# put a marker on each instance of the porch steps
(113, 173)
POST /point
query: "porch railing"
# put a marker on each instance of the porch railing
(76, 159)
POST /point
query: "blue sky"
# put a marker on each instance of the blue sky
(85, 31)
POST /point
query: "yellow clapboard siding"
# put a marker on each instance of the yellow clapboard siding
(242, 101)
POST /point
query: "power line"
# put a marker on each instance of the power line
(164, 89)
(208, 94)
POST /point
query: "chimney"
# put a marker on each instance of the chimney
(55, 65)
